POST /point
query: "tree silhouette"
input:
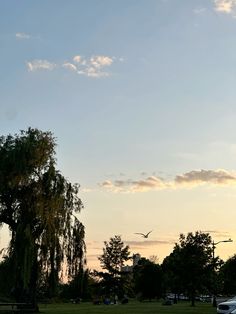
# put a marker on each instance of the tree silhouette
(115, 254)
(147, 279)
(38, 205)
(227, 276)
(190, 263)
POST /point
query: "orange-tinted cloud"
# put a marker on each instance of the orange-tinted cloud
(198, 177)
(189, 179)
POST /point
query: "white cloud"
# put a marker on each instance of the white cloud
(77, 59)
(22, 36)
(40, 65)
(190, 179)
(93, 72)
(225, 6)
(100, 61)
(93, 67)
(69, 66)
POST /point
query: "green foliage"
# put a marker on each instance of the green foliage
(171, 274)
(38, 204)
(115, 254)
(228, 276)
(79, 288)
(147, 278)
(6, 277)
(190, 264)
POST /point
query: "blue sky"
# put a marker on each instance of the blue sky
(141, 98)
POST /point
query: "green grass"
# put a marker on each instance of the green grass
(130, 308)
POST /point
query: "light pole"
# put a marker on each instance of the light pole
(214, 244)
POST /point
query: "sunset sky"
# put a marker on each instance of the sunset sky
(141, 96)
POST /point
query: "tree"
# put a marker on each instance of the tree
(191, 263)
(115, 254)
(78, 288)
(38, 204)
(227, 275)
(6, 276)
(147, 278)
(171, 275)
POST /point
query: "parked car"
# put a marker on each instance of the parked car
(227, 307)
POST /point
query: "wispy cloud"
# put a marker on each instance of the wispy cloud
(150, 183)
(149, 243)
(86, 190)
(189, 179)
(94, 66)
(225, 6)
(218, 234)
(69, 66)
(38, 64)
(22, 36)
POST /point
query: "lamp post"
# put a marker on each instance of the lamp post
(214, 265)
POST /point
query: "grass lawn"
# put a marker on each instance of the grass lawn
(130, 308)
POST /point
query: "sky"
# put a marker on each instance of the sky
(141, 98)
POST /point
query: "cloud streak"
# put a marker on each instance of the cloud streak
(218, 234)
(198, 177)
(189, 179)
(142, 185)
(22, 36)
(69, 66)
(38, 64)
(145, 244)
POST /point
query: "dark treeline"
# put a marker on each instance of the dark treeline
(40, 207)
(188, 271)
(191, 270)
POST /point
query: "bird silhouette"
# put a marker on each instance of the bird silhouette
(144, 235)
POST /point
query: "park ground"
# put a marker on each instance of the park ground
(133, 307)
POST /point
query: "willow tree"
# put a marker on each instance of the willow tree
(39, 205)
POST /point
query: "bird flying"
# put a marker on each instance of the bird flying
(144, 235)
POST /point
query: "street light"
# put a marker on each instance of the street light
(213, 256)
(214, 246)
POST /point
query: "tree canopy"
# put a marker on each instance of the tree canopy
(39, 205)
(228, 276)
(115, 254)
(191, 264)
(147, 279)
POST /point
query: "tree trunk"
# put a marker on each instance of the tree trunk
(193, 299)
